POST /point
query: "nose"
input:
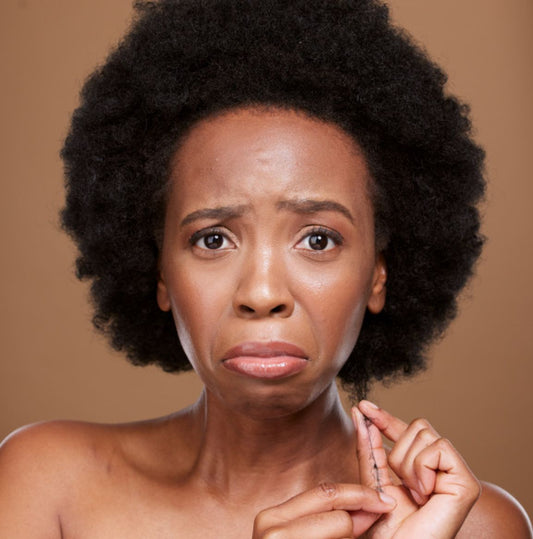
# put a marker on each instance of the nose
(263, 289)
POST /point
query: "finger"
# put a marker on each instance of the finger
(440, 469)
(418, 432)
(455, 491)
(418, 436)
(409, 441)
(326, 497)
(390, 426)
(371, 456)
(436, 468)
(335, 524)
(362, 521)
(331, 524)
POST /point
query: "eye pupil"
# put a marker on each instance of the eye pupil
(213, 241)
(318, 242)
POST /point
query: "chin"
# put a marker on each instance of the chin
(276, 400)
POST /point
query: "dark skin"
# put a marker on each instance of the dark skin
(258, 248)
(67, 479)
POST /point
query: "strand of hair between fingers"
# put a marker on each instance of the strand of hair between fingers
(375, 468)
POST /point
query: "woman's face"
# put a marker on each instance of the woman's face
(268, 261)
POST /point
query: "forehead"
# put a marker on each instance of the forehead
(268, 152)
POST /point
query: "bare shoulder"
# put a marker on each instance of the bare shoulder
(49, 449)
(38, 466)
(496, 515)
(42, 467)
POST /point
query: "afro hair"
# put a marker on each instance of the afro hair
(341, 61)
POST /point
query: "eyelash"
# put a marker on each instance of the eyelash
(332, 235)
(205, 233)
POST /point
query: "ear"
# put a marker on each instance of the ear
(163, 299)
(376, 301)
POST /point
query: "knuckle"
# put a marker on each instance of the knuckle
(345, 523)
(395, 460)
(261, 520)
(420, 423)
(426, 435)
(327, 490)
(445, 444)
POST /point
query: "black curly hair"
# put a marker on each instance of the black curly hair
(340, 61)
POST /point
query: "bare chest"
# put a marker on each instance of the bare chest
(137, 509)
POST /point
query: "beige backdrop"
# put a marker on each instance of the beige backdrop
(478, 390)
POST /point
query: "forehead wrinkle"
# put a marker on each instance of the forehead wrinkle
(307, 206)
(219, 213)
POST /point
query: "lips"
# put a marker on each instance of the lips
(270, 360)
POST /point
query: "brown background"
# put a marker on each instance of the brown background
(478, 390)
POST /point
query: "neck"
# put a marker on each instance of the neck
(239, 455)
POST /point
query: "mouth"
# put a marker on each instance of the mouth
(266, 360)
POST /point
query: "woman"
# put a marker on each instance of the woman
(293, 206)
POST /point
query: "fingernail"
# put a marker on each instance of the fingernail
(369, 404)
(385, 498)
(418, 498)
(359, 422)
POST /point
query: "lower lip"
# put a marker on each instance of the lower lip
(266, 367)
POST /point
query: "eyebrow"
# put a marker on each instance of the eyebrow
(220, 213)
(302, 206)
(308, 206)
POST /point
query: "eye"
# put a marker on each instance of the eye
(211, 239)
(320, 239)
(320, 242)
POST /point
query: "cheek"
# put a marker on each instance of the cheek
(336, 305)
(197, 307)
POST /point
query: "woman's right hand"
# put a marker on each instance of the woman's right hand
(332, 510)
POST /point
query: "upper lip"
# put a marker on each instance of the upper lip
(265, 349)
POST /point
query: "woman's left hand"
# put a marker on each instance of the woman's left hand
(436, 489)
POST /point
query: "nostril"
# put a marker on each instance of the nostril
(245, 310)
